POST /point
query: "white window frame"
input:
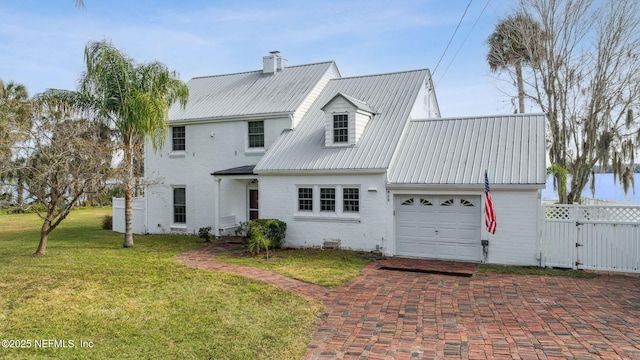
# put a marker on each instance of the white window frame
(174, 138)
(327, 201)
(249, 135)
(348, 203)
(338, 214)
(173, 202)
(305, 199)
(345, 128)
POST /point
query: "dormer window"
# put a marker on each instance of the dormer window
(345, 120)
(341, 128)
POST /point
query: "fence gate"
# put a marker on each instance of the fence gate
(592, 237)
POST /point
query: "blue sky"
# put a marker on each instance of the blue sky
(42, 41)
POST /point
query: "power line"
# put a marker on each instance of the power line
(452, 36)
(463, 41)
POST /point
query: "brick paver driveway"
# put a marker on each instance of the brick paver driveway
(407, 315)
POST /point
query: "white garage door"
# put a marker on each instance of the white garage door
(438, 227)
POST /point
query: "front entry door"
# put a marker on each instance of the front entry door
(253, 203)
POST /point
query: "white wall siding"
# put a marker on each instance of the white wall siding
(360, 124)
(234, 205)
(209, 147)
(160, 209)
(426, 105)
(517, 238)
(279, 196)
(332, 73)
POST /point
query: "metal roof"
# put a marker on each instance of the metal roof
(392, 96)
(249, 93)
(457, 151)
(240, 170)
(355, 102)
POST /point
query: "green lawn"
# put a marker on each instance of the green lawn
(533, 270)
(135, 303)
(329, 267)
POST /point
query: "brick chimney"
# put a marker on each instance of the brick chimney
(273, 63)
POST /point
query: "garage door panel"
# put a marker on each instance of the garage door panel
(419, 246)
(425, 247)
(444, 227)
(467, 218)
(447, 234)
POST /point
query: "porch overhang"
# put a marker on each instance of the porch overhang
(240, 172)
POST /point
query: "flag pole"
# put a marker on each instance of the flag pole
(489, 216)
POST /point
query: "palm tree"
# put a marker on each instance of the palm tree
(515, 41)
(136, 99)
(15, 116)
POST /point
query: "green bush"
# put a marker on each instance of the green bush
(257, 240)
(265, 234)
(205, 233)
(274, 230)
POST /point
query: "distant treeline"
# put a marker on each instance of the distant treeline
(609, 169)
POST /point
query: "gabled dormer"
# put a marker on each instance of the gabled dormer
(345, 120)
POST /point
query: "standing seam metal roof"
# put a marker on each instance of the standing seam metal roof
(249, 93)
(457, 151)
(392, 97)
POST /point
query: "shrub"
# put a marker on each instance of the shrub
(204, 233)
(274, 229)
(107, 222)
(257, 239)
(265, 234)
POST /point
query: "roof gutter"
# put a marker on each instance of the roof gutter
(265, 116)
(435, 187)
(320, 172)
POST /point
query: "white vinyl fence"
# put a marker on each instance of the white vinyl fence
(139, 214)
(591, 237)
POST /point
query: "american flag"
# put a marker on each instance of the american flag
(489, 213)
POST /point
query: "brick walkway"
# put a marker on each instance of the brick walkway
(387, 314)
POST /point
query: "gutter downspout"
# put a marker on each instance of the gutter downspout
(216, 208)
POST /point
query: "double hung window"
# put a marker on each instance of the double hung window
(179, 138)
(256, 134)
(341, 128)
(179, 206)
(327, 199)
(305, 199)
(351, 199)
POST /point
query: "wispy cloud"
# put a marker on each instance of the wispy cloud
(42, 43)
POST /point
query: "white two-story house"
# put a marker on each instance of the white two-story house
(366, 162)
